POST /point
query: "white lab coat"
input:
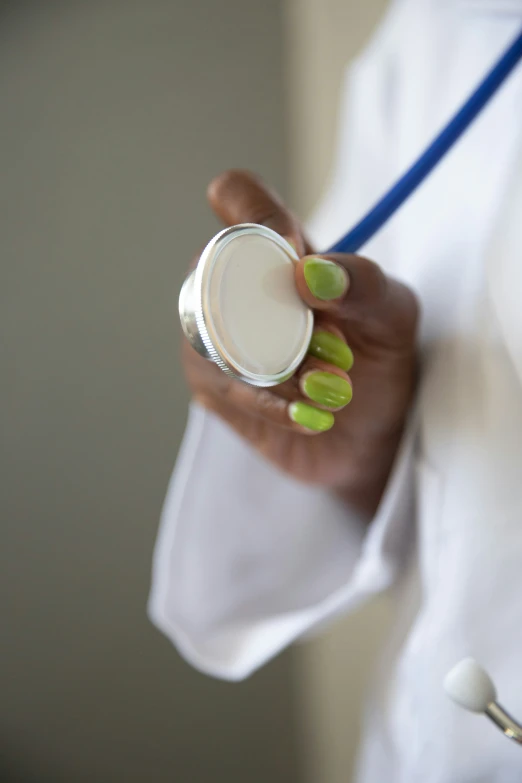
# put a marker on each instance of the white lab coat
(247, 560)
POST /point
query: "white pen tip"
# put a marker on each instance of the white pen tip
(470, 686)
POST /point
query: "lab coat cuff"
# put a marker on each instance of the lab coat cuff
(248, 560)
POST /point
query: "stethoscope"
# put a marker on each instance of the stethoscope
(222, 327)
(471, 687)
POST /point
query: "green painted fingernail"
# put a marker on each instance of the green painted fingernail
(330, 348)
(327, 389)
(325, 279)
(309, 417)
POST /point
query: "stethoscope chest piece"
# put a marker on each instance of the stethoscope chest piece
(240, 308)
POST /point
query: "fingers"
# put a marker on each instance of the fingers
(290, 411)
(306, 403)
(241, 197)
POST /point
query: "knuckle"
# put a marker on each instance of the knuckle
(228, 181)
(406, 314)
(376, 281)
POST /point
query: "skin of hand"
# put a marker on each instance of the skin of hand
(365, 324)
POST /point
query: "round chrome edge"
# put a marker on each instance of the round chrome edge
(187, 315)
(193, 305)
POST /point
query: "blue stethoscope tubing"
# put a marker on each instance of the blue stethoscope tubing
(405, 186)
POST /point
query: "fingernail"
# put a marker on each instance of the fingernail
(309, 417)
(327, 389)
(330, 348)
(325, 279)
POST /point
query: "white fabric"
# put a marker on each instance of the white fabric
(247, 560)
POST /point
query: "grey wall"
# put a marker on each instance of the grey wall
(114, 117)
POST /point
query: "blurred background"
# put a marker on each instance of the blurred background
(115, 115)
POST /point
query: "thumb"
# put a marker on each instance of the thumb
(341, 284)
(240, 197)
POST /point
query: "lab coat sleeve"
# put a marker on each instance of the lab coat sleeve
(248, 560)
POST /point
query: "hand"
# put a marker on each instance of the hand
(309, 426)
